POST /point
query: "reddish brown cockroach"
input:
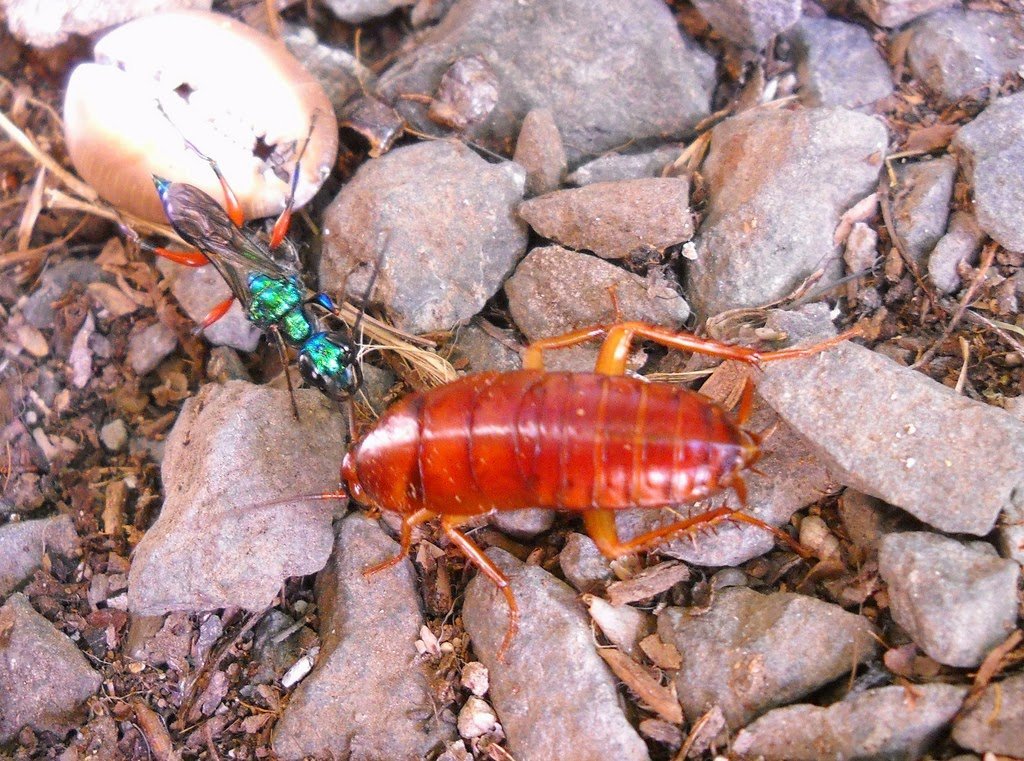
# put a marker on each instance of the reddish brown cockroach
(587, 442)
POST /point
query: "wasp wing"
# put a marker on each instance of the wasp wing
(203, 223)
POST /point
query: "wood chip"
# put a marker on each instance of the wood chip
(647, 584)
(662, 732)
(32, 341)
(928, 139)
(80, 357)
(991, 666)
(863, 211)
(662, 654)
(660, 699)
(114, 498)
(112, 299)
(703, 734)
(157, 737)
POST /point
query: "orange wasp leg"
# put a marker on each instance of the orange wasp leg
(450, 524)
(188, 258)
(284, 221)
(216, 313)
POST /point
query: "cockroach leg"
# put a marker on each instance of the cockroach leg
(450, 525)
(619, 339)
(533, 355)
(746, 403)
(409, 522)
(600, 525)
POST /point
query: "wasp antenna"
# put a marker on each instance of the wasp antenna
(370, 286)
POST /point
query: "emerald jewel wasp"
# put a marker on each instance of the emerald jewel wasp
(269, 288)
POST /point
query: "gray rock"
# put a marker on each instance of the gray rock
(896, 434)
(883, 723)
(466, 95)
(148, 347)
(272, 656)
(558, 56)
(991, 150)
(45, 677)
(214, 545)
(114, 435)
(615, 220)
(54, 283)
(961, 244)
(957, 53)
(838, 64)
(583, 564)
(750, 23)
(358, 11)
(555, 290)
(338, 71)
(791, 477)
(995, 724)
(540, 152)
(1011, 533)
(779, 182)
(553, 685)
(955, 602)
(866, 519)
(368, 688)
(484, 352)
(48, 24)
(225, 365)
(23, 544)
(751, 652)
(626, 166)
(898, 12)
(443, 220)
(523, 524)
(200, 289)
(921, 204)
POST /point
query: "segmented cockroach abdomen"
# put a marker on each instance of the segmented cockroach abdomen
(570, 441)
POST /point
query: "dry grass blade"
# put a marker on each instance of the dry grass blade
(31, 211)
(44, 159)
(660, 699)
(988, 254)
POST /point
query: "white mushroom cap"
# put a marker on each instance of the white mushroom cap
(236, 94)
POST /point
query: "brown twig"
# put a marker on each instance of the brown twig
(988, 254)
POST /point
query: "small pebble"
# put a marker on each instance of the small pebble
(477, 718)
(583, 564)
(476, 678)
(32, 341)
(149, 346)
(816, 536)
(114, 435)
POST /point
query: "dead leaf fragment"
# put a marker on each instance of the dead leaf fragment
(650, 582)
(660, 699)
(112, 299)
(662, 654)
